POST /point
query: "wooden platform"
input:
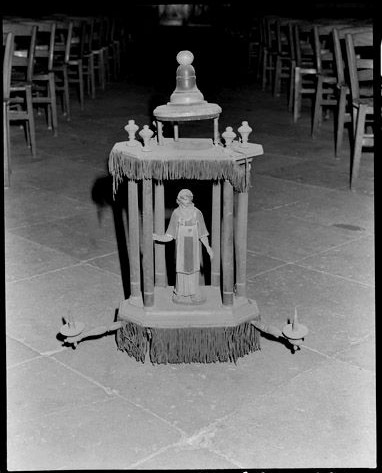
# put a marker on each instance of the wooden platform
(166, 314)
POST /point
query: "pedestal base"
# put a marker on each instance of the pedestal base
(172, 333)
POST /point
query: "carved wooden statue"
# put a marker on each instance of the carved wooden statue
(187, 227)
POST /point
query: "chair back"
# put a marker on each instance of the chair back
(98, 32)
(270, 32)
(284, 37)
(24, 47)
(63, 41)
(112, 35)
(303, 44)
(87, 30)
(44, 51)
(76, 42)
(359, 53)
(7, 63)
(323, 48)
(340, 52)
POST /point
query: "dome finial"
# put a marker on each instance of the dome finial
(186, 92)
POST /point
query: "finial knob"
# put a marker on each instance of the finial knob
(131, 129)
(229, 135)
(244, 131)
(146, 135)
(184, 58)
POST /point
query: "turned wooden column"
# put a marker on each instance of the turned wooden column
(159, 223)
(227, 244)
(215, 233)
(160, 132)
(216, 129)
(241, 224)
(134, 254)
(148, 243)
(176, 131)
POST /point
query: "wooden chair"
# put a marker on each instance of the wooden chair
(305, 71)
(75, 62)
(343, 115)
(269, 51)
(62, 48)
(98, 49)
(20, 104)
(254, 46)
(285, 57)
(43, 80)
(115, 47)
(326, 85)
(88, 56)
(359, 53)
(7, 68)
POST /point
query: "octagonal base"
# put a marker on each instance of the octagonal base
(173, 333)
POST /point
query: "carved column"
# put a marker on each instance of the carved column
(227, 243)
(215, 233)
(241, 225)
(148, 244)
(134, 254)
(159, 223)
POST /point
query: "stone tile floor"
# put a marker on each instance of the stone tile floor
(310, 246)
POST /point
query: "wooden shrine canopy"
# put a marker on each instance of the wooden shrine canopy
(186, 158)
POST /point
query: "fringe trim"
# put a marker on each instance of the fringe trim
(188, 345)
(121, 166)
(133, 339)
(203, 345)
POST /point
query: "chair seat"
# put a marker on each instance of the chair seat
(368, 102)
(75, 62)
(20, 53)
(328, 79)
(306, 70)
(19, 86)
(41, 76)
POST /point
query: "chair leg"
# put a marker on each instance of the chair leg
(66, 94)
(270, 69)
(31, 126)
(101, 70)
(297, 94)
(259, 63)
(277, 78)
(7, 148)
(115, 61)
(81, 84)
(291, 86)
(53, 103)
(92, 76)
(358, 138)
(317, 107)
(106, 63)
(264, 71)
(340, 121)
(118, 55)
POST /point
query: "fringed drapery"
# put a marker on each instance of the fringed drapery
(188, 345)
(165, 163)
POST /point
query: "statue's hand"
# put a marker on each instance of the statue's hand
(162, 238)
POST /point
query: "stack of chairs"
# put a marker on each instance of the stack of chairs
(44, 58)
(323, 60)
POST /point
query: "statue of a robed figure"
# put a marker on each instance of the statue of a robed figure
(187, 227)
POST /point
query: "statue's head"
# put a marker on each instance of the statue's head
(185, 197)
